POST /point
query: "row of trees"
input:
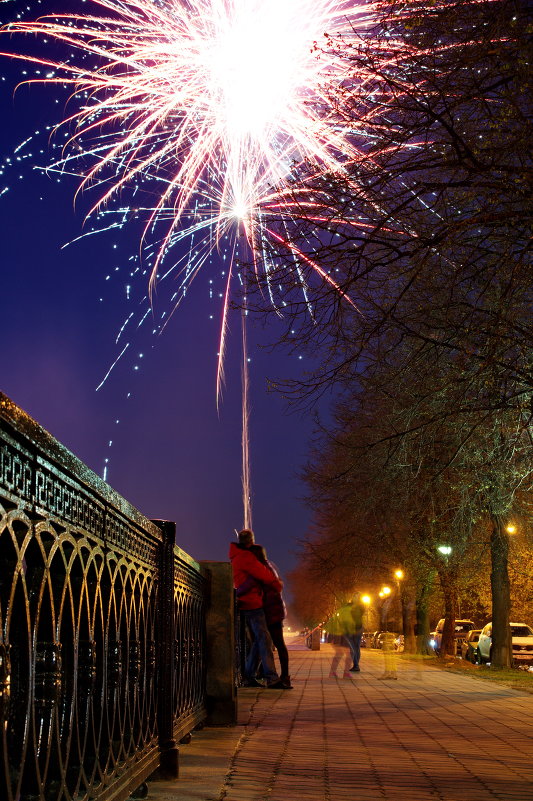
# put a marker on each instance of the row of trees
(428, 232)
(375, 512)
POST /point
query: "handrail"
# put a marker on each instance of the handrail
(102, 621)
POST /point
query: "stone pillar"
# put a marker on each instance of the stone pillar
(221, 693)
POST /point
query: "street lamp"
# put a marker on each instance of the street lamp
(511, 528)
(399, 574)
(366, 600)
(444, 549)
(384, 593)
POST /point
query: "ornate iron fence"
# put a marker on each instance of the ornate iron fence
(102, 620)
(242, 646)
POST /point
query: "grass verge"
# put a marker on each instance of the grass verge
(509, 677)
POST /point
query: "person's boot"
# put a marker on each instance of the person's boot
(252, 683)
(286, 681)
(276, 685)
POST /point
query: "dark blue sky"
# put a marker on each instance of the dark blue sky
(172, 455)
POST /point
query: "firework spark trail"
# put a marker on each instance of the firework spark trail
(245, 429)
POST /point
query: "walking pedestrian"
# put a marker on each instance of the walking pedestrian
(389, 655)
(351, 625)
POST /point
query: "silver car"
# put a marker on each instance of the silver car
(469, 646)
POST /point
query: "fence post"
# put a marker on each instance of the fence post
(169, 751)
(221, 697)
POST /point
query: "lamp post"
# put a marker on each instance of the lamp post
(385, 593)
(398, 575)
(366, 600)
(447, 577)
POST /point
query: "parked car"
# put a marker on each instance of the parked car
(387, 638)
(522, 640)
(469, 646)
(462, 627)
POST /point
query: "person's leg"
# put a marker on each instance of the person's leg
(276, 632)
(252, 660)
(349, 638)
(338, 653)
(356, 651)
(348, 658)
(256, 621)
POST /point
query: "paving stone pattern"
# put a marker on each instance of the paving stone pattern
(430, 735)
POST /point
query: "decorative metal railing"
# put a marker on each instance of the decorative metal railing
(101, 623)
(242, 646)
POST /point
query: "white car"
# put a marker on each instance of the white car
(522, 639)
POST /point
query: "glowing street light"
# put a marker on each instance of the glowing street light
(511, 528)
(384, 593)
(366, 600)
(399, 574)
(444, 549)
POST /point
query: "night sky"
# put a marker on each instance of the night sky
(173, 456)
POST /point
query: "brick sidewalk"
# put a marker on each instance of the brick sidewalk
(429, 735)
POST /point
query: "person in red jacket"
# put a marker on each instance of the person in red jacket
(275, 613)
(245, 565)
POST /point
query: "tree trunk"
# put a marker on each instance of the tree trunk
(422, 617)
(502, 650)
(408, 623)
(384, 617)
(449, 591)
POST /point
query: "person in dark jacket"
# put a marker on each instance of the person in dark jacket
(275, 613)
(245, 566)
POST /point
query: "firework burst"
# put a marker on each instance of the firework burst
(217, 97)
(218, 104)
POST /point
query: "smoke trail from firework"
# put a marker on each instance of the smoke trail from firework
(245, 430)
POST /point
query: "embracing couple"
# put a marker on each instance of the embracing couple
(258, 588)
